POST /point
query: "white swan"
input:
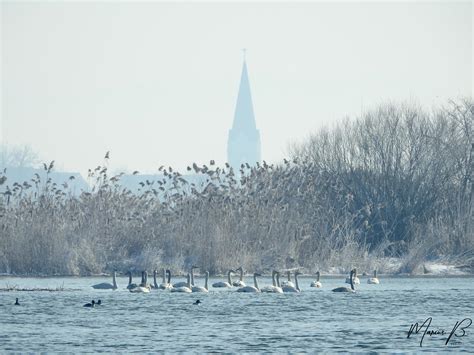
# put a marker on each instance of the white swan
(166, 285)
(317, 283)
(200, 288)
(373, 280)
(224, 284)
(185, 284)
(253, 288)
(295, 288)
(240, 282)
(344, 288)
(144, 287)
(273, 288)
(355, 279)
(106, 285)
(186, 288)
(288, 282)
(145, 280)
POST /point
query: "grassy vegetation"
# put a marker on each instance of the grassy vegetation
(395, 182)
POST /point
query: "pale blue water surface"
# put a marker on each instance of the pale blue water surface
(376, 318)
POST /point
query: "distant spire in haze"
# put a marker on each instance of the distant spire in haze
(244, 138)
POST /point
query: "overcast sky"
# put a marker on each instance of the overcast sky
(156, 82)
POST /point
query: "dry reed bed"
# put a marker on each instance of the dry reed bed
(396, 181)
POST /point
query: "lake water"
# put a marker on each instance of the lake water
(376, 318)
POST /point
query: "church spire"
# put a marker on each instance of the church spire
(244, 117)
(244, 138)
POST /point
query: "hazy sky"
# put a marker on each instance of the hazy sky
(156, 82)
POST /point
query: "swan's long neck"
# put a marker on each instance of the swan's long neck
(352, 281)
(143, 277)
(146, 277)
(164, 276)
(318, 274)
(241, 274)
(169, 276)
(288, 273)
(129, 278)
(296, 282)
(192, 276)
(189, 281)
(375, 274)
(278, 279)
(273, 278)
(154, 279)
(114, 281)
(206, 280)
(229, 280)
(255, 282)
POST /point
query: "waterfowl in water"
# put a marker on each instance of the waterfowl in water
(99, 303)
(106, 285)
(155, 284)
(130, 284)
(16, 302)
(240, 282)
(197, 302)
(295, 288)
(373, 280)
(143, 287)
(317, 283)
(200, 288)
(166, 285)
(186, 288)
(355, 279)
(224, 284)
(288, 282)
(253, 288)
(145, 280)
(273, 288)
(344, 288)
(89, 304)
(185, 283)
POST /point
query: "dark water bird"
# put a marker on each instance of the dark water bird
(90, 304)
(16, 302)
(99, 302)
(347, 289)
(106, 285)
(197, 302)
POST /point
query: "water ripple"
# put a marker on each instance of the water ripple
(375, 319)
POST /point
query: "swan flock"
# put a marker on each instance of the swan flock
(188, 286)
